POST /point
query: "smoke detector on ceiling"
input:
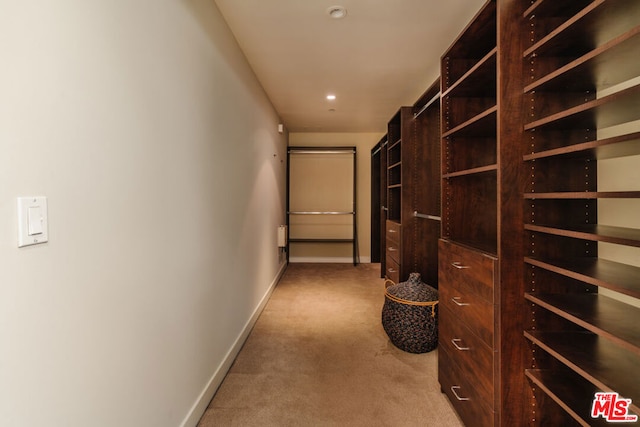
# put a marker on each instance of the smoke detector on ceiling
(337, 12)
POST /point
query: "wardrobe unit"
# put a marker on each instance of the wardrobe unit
(481, 351)
(582, 228)
(412, 207)
(539, 255)
(378, 200)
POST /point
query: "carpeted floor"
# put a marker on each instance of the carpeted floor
(318, 356)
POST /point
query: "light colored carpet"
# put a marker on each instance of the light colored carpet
(318, 356)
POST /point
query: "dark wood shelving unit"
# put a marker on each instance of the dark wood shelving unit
(560, 387)
(378, 200)
(413, 190)
(481, 247)
(581, 327)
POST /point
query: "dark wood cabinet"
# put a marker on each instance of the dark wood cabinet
(378, 201)
(538, 267)
(582, 290)
(482, 348)
(413, 189)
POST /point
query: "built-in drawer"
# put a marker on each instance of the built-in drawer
(468, 351)
(458, 385)
(393, 232)
(477, 314)
(470, 271)
(393, 251)
(392, 270)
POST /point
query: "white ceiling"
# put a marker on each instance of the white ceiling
(382, 55)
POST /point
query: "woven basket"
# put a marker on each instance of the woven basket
(410, 315)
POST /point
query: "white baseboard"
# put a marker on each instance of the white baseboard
(324, 260)
(200, 406)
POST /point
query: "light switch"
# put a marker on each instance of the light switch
(35, 219)
(32, 221)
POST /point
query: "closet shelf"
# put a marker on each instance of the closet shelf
(618, 146)
(606, 366)
(555, 9)
(483, 124)
(571, 392)
(599, 314)
(468, 172)
(617, 108)
(592, 232)
(614, 62)
(612, 275)
(479, 81)
(579, 33)
(584, 195)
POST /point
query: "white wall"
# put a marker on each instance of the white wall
(364, 142)
(165, 176)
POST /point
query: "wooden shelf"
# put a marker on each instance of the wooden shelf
(612, 275)
(479, 81)
(603, 364)
(609, 148)
(593, 232)
(469, 172)
(571, 392)
(395, 165)
(581, 66)
(585, 30)
(599, 314)
(482, 124)
(607, 65)
(584, 195)
(555, 9)
(473, 44)
(620, 107)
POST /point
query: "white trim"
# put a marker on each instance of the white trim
(322, 260)
(200, 406)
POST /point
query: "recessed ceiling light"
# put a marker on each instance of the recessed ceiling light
(331, 97)
(337, 12)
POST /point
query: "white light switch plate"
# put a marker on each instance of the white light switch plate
(33, 227)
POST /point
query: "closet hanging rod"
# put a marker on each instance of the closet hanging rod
(428, 104)
(419, 215)
(322, 151)
(376, 152)
(320, 213)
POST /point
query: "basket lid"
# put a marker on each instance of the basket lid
(414, 289)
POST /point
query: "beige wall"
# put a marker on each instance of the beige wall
(341, 252)
(158, 151)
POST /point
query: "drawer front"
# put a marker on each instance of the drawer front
(470, 271)
(458, 386)
(392, 270)
(393, 251)
(477, 314)
(393, 232)
(468, 352)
